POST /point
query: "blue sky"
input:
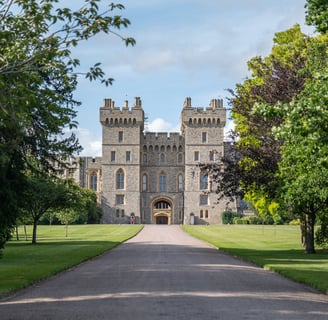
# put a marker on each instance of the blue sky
(196, 48)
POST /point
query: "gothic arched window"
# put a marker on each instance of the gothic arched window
(120, 179)
(93, 181)
(204, 181)
(162, 182)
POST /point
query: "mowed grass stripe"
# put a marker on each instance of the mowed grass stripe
(276, 248)
(23, 264)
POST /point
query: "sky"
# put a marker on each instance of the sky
(184, 48)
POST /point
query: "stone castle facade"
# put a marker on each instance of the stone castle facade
(155, 177)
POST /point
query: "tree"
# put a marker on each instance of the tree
(43, 193)
(304, 166)
(251, 163)
(66, 217)
(38, 75)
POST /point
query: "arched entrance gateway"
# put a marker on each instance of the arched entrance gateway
(162, 210)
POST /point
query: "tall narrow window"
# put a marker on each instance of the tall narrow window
(203, 200)
(93, 181)
(204, 181)
(119, 199)
(112, 156)
(120, 136)
(180, 183)
(120, 179)
(196, 156)
(204, 137)
(162, 158)
(128, 156)
(145, 158)
(211, 155)
(162, 182)
(180, 158)
(144, 182)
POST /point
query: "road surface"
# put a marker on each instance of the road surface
(163, 273)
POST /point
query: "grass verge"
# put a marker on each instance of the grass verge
(23, 264)
(276, 248)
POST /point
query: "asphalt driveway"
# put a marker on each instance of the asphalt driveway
(163, 273)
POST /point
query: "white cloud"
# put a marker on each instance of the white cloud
(160, 125)
(92, 144)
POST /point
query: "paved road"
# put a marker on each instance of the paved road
(164, 273)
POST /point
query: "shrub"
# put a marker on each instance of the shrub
(255, 220)
(294, 222)
(228, 216)
(243, 220)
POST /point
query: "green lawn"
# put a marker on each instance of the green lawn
(23, 264)
(276, 248)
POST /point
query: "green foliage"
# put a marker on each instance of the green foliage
(303, 170)
(317, 14)
(255, 220)
(228, 216)
(38, 76)
(242, 220)
(274, 80)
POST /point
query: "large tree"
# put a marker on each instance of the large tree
(303, 171)
(274, 80)
(37, 81)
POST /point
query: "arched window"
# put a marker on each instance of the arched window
(204, 181)
(162, 182)
(93, 181)
(162, 158)
(120, 179)
(180, 183)
(162, 205)
(180, 158)
(144, 182)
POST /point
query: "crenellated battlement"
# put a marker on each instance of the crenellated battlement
(162, 137)
(116, 116)
(213, 115)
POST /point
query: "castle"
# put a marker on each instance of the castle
(155, 178)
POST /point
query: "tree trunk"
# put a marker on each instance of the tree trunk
(17, 235)
(310, 221)
(25, 232)
(35, 225)
(303, 231)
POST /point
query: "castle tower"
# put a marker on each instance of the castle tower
(203, 131)
(122, 129)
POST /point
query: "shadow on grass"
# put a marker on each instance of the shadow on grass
(294, 264)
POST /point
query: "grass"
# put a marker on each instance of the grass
(277, 248)
(23, 264)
